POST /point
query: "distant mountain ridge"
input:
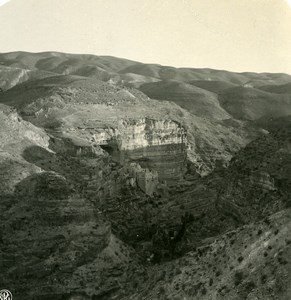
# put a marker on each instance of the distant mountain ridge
(82, 64)
(209, 93)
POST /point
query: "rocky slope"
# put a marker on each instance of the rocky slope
(252, 104)
(56, 245)
(55, 242)
(195, 100)
(277, 89)
(10, 76)
(258, 180)
(252, 262)
(16, 135)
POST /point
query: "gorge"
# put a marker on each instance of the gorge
(109, 194)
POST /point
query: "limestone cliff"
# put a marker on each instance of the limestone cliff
(135, 134)
(155, 144)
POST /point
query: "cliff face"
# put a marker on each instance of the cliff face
(135, 134)
(155, 144)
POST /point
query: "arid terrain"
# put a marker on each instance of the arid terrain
(124, 180)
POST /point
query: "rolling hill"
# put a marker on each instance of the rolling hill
(277, 89)
(251, 104)
(240, 94)
(195, 100)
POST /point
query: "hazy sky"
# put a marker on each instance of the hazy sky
(239, 35)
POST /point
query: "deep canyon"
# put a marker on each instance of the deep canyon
(121, 180)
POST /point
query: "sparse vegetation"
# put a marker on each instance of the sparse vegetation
(240, 259)
(238, 277)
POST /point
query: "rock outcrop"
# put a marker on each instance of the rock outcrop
(158, 145)
(55, 244)
(251, 262)
(257, 182)
(15, 136)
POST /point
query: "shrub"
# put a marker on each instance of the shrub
(238, 277)
(162, 290)
(282, 261)
(250, 285)
(203, 291)
(240, 259)
(264, 279)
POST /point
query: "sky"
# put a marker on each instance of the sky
(236, 35)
